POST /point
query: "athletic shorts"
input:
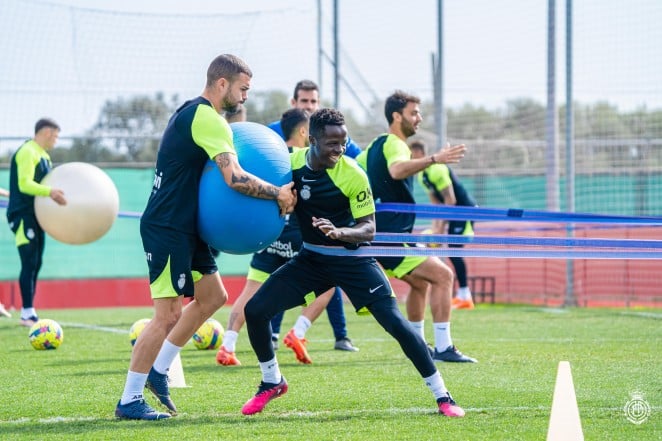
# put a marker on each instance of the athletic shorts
(400, 266)
(176, 260)
(361, 278)
(275, 255)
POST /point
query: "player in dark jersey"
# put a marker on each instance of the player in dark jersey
(180, 263)
(266, 261)
(443, 187)
(391, 169)
(294, 123)
(334, 209)
(29, 165)
(306, 97)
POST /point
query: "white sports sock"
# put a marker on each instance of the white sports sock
(166, 355)
(230, 340)
(133, 388)
(271, 371)
(419, 327)
(301, 326)
(464, 293)
(26, 313)
(436, 384)
(442, 336)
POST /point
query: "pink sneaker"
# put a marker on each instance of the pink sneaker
(265, 393)
(448, 407)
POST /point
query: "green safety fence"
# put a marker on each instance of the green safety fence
(119, 253)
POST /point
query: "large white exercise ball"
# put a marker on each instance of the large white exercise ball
(92, 204)
(235, 223)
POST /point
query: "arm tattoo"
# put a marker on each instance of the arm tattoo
(222, 160)
(250, 186)
(246, 183)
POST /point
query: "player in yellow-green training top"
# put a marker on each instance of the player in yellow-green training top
(391, 170)
(29, 165)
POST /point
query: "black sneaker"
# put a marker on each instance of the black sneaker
(452, 355)
(138, 410)
(158, 385)
(345, 344)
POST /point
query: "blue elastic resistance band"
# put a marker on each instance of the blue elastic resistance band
(377, 251)
(430, 211)
(526, 241)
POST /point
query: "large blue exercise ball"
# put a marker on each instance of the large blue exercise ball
(235, 223)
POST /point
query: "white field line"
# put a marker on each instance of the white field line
(375, 340)
(313, 414)
(94, 328)
(641, 314)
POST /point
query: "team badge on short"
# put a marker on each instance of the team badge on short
(181, 281)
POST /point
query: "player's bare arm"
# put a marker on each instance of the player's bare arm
(362, 231)
(448, 155)
(449, 196)
(240, 180)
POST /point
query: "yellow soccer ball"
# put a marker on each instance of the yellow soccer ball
(136, 329)
(209, 336)
(46, 334)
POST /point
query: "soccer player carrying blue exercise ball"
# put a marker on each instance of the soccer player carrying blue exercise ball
(180, 263)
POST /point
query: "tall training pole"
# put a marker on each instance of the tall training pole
(336, 57)
(570, 298)
(439, 78)
(320, 45)
(551, 123)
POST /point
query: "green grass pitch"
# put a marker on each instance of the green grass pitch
(375, 394)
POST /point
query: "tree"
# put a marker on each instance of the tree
(135, 124)
(524, 119)
(85, 149)
(266, 107)
(470, 122)
(127, 130)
